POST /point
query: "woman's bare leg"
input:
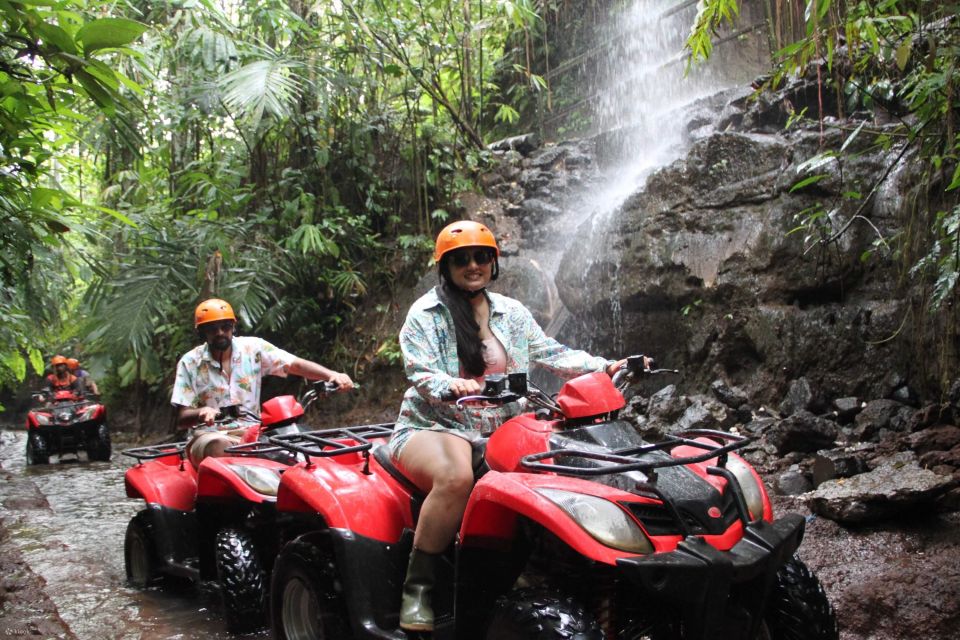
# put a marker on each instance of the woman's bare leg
(440, 464)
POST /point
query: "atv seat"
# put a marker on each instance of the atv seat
(382, 455)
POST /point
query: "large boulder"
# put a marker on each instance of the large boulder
(894, 487)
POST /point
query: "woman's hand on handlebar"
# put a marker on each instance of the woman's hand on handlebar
(460, 387)
(648, 363)
(616, 366)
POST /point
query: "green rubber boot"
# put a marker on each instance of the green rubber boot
(416, 613)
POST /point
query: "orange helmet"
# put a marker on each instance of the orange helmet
(57, 359)
(212, 310)
(464, 233)
(73, 363)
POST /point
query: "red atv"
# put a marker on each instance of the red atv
(576, 528)
(62, 422)
(216, 522)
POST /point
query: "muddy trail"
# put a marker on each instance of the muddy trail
(61, 548)
(62, 574)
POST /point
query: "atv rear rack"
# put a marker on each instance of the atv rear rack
(254, 449)
(327, 443)
(157, 451)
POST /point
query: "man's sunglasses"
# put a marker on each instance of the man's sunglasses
(216, 327)
(462, 257)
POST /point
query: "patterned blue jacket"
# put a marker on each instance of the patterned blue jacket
(428, 341)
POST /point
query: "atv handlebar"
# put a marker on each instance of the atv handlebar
(502, 389)
(317, 388)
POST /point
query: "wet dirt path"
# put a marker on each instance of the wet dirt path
(67, 521)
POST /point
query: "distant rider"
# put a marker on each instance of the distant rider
(87, 384)
(61, 379)
(225, 371)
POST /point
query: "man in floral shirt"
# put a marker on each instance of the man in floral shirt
(226, 371)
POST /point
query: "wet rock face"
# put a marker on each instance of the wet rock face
(708, 268)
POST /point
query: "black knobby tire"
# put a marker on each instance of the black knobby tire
(798, 608)
(99, 448)
(139, 553)
(38, 452)
(304, 593)
(533, 614)
(241, 580)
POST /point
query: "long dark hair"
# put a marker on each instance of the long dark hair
(469, 345)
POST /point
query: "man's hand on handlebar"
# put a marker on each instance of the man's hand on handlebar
(207, 415)
(342, 380)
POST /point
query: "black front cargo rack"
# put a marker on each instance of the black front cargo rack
(157, 451)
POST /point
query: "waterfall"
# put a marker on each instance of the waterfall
(645, 100)
(644, 93)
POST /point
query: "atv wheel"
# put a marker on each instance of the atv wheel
(541, 615)
(37, 450)
(306, 601)
(98, 447)
(139, 553)
(798, 607)
(241, 580)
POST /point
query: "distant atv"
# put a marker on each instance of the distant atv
(576, 529)
(62, 422)
(215, 523)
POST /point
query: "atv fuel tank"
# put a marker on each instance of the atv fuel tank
(515, 438)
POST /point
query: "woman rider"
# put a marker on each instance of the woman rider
(453, 336)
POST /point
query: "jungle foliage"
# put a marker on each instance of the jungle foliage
(282, 154)
(891, 61)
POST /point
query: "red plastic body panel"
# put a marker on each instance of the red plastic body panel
(515, 438)
(215, 479)
(32, 419)
(372, 505)
(589, 395)
(280, 408)
(498, 498)
(164, 482)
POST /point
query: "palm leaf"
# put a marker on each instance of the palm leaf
(261, 87)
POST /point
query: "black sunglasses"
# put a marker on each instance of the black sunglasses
(462, 257)
(216, 327)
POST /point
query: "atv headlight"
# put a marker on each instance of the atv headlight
(602, 519)
(86, 413)
(261, 480)
(44, 418)
(65, 417)
(752, 491)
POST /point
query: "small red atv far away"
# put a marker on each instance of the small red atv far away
(576, 528)
(62, 423)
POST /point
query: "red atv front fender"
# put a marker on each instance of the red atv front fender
(367, 504)
(221, 478)
(164, 481)
(499, 498)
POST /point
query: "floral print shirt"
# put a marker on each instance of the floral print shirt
(200, 381)
(428, 341)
